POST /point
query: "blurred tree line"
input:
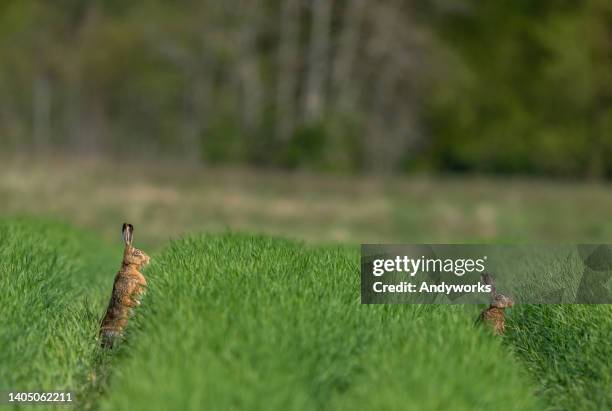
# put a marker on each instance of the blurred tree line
(341, 85)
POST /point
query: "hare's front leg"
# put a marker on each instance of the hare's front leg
(142, 281)
(128, 301)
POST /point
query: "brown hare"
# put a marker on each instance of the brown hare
(128, 287)
(494, 315)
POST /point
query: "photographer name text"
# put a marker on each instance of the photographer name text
(415, 266)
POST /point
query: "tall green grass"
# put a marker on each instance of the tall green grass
(54, 281)
(251, 322)
(239, 322)
(568, 351)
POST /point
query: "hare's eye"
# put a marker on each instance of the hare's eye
(137, 252)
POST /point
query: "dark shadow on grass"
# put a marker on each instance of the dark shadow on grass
(95, 381)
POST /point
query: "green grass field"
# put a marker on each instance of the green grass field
(234, 321)
(53, 279)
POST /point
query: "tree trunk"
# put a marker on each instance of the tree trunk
(346, 55)
(196, 116)
(93, 130)
(318, 60)
(41, 116)
(73, 110)
(287, 71)
(248, 66)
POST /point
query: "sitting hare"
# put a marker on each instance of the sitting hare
(494, 315)
(127, 289)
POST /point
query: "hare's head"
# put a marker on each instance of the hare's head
(497, 300)
(132, 255)
(501, 301)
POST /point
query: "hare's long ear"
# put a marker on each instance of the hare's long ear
(128, 232)
(488, 279)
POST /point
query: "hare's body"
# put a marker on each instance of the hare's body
(129, 286)
(494, 316)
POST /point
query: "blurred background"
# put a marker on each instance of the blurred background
(340, 120)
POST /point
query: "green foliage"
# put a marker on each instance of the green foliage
(528, 92)
(503, 87)
(307, 147)
(328, 145)
(222, 143)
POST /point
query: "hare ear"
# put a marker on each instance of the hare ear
(488, 279)
(128, 232)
